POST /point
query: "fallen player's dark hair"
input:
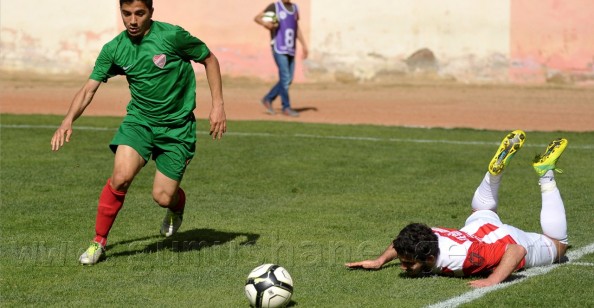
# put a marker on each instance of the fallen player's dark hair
(416, 241)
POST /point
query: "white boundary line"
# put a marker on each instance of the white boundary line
(531, 272)
(373, 139)
(583, 263)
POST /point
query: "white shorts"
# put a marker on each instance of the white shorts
(540, 249)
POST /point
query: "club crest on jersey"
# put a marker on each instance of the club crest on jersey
(476, 259)
(160, 60)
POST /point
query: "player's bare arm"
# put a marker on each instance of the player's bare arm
(509, 263)
(217, 117)
(81, 100)
(303, 45)
(388, 255)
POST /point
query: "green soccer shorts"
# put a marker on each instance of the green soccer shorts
(172, 148)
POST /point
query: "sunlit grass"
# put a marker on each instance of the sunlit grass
(309, 197)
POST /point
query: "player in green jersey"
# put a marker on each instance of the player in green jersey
(156, 59)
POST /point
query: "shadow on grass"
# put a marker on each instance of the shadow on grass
(191, 240)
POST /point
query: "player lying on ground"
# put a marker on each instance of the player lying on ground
(486, 246)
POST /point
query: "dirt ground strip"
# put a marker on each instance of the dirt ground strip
(414, 104)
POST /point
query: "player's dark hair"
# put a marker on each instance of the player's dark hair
(416, 241)
(148, 3)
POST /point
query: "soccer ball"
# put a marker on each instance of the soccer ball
(269, 17)
(269, 285)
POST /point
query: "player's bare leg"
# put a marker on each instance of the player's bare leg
(168, 194)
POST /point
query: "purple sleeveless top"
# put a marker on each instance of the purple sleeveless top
(286, 33)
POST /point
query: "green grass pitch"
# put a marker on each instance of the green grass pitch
(309, 197)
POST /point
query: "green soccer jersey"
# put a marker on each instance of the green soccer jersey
(159, 73)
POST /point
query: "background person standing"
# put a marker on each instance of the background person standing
(285, 32)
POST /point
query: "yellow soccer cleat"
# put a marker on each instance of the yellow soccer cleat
(509, 146)
(93, 254)
(547, 160)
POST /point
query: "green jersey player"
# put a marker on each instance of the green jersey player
(156, 59)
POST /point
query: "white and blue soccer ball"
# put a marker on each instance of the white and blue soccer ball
(269, 17)
(269, 285)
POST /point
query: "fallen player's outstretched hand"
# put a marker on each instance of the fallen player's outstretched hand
(481, 283)
(367, 264)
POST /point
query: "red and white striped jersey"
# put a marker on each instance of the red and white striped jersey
(475, 249)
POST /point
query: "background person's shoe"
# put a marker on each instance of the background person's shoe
(290, 112)
(268, 107)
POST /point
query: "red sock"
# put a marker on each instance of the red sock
(181, 201)
(110, 203)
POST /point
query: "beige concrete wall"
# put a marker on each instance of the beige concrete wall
(466, 40)
(552, 41)
(367, 37)
(65, 36)
(62, 36)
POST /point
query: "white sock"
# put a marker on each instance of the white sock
(486, 196)
(547, 181)
(552, 214)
